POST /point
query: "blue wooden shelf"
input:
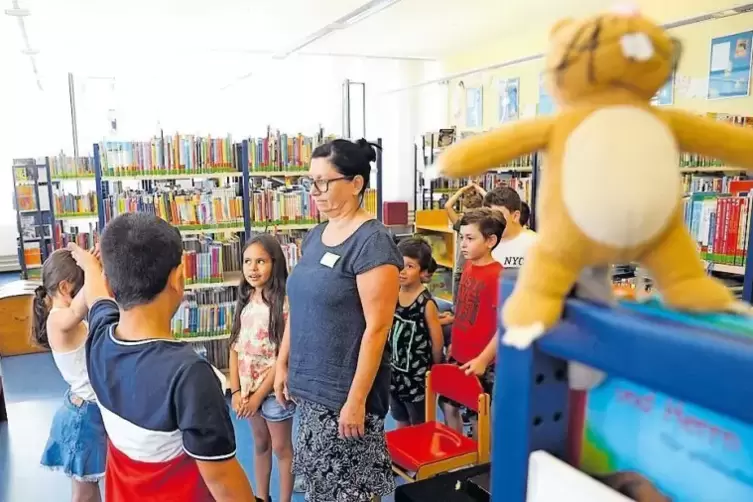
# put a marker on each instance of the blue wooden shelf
(708, 367)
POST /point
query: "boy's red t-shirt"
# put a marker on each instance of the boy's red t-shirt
(475, 321)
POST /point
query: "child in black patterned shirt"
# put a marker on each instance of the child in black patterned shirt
(415, 340)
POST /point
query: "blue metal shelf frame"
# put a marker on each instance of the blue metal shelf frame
(99, 188)
(748, 277)
(703, 366)
(246, 188)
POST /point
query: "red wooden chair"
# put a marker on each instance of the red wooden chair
(425, 450)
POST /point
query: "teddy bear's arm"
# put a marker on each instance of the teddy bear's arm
(729, 143)
(482, 152)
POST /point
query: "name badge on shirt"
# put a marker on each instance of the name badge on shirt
(329, 259)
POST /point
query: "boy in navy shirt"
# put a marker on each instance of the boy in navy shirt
(169, 429)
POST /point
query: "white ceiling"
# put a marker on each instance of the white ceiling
(225, 39)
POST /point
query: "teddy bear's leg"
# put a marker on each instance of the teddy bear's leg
(680, 276)
(537, 301)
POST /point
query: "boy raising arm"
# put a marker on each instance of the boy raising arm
(170, 433)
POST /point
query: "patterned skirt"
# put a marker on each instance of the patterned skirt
(336, 469)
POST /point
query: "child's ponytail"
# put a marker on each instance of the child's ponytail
(40, 312)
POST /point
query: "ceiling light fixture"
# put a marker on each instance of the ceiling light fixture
(17, 12)
(356, 16)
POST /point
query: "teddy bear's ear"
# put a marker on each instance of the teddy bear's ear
(559, 25)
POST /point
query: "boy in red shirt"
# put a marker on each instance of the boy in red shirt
(473, 343)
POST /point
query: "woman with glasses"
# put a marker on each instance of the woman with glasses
(342, 296)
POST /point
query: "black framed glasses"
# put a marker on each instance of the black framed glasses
(322, 185)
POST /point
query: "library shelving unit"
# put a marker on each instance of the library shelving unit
(217, 193)
(195, 183)
(692, 362)
(32, 200)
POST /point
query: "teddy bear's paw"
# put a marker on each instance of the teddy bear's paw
(582, 377)
(742, 308)
(521, 337)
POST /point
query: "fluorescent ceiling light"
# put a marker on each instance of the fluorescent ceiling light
(17, 12)
(367, 10)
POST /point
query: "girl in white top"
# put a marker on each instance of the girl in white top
(77, 444)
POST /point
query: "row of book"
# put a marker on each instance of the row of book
(719, 224)
(207, 260)
(74, 204)
(177, 154)
(85, 236)
(283, 206)
(695, 160)
(216, 352)
(281, 152)
(186, 209)
(63, 166)
(205, 313)
(693, 183)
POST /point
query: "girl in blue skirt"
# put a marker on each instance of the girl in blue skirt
(77, 444)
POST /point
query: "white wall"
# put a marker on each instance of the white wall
(296, 95)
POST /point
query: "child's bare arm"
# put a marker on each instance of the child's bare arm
(435, 331)
(95, 286)
(226, 480)
(65, 320)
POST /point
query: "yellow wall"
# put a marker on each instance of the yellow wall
(695, 60)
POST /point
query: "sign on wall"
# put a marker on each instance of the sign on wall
(729, 66)
(474, 107)
(509, 99)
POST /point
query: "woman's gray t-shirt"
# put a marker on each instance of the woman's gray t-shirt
(327, 320)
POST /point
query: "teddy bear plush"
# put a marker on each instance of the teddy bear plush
(610, 190)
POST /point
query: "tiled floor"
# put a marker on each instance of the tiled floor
(33, 392)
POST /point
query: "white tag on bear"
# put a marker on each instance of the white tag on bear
(637, 46)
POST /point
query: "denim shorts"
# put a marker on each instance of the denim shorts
(78, 443)
(273, 411)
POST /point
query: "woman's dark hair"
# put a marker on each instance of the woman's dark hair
(273, 293)
(58, 267)
(350, 158)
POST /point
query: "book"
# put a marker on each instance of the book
(63, 166)
(68, 204)
(205, 313)
(282, 152)
(85, 236)
(283, 206)
(206, 260)
(167, 155)
(719, 224)
(187, 209)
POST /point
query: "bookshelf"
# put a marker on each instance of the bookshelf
(518, 174)
(196, 184)
(32, 199)
(217, 193)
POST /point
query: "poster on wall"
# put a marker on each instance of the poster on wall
(474, 107)
(666, 95)
(509, 99)
(546, 103)
(680, 450)
(729, 66)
